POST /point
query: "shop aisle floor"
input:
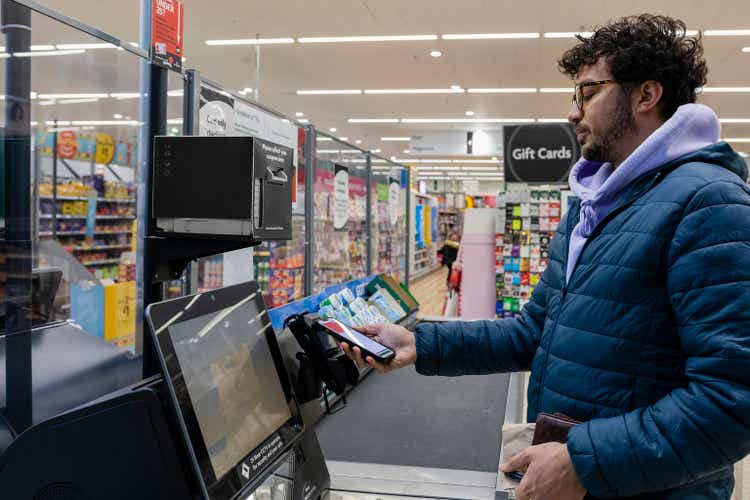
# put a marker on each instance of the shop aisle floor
(403, 418)
(429, 290)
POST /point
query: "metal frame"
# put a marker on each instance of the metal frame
(310, 163)
(81, 26)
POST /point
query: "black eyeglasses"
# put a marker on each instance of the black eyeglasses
(578, 91)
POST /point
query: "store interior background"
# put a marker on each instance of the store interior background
(394, 90)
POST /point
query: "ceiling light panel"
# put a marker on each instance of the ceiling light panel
(490, 36)
(734, 120)
(552, 120)
(524, 90)
(395, 139)
(329, 92)
(125, 95)
(556, 90)
(742, 32)
(42, 47)
(47, 53)
(737, 139)
(568, 34)
(73, 96)
(76, 101)
(85, 46)
(369, 38)
(746, 50)
(415, 91)
(373, 120)
(252, 41)
(725, 90)
(467, 120)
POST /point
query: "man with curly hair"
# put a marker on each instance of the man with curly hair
(640, 326)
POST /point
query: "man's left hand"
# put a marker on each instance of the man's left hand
(549, 473)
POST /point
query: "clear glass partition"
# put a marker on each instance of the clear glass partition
(389, 218)
(340, 213)
(84, 146)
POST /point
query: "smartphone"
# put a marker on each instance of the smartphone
(369, 347)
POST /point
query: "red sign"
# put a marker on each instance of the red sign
(166, 33)
(67, 145)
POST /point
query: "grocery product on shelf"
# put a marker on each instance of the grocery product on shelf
(425, 233)
(280, 267)
(388, 228)
(528, 219)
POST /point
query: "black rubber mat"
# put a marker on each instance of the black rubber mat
(403, 418)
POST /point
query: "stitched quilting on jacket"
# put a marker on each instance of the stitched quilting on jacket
(649, 340)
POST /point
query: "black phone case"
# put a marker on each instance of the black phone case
(365, 352)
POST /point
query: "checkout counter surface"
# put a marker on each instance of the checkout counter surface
(403, 435)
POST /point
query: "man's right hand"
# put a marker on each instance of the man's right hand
(396, 337)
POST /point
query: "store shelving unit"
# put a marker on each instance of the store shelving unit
(424, 213)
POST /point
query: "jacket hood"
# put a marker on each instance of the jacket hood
(691, 134)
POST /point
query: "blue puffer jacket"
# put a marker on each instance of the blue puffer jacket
(648, 343)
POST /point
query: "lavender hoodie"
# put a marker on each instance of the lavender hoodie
(692, 127)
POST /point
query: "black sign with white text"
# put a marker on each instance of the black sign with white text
(539, 153)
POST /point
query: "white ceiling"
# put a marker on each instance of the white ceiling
(382, 65)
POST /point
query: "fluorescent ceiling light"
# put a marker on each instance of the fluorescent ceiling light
(416, 91)
(59, 123)
(746, 50)
(469, 113)
(374, 38)
(568, 34)
(299, 114)
(395, 139)
(741, 153)
(105, 122)
(556, 90)
(176, 93)
(48, 53)
(436, 53)
(358, 141)
(125, 95)
(37, 48)
(490, 36)
(375, 151)
(332, 129)
(34, 124)
(726, 33)
(328, 92)
(73, 96)
(85, 46)
(406, 151)
(691, 32)
(467, 120)
(551, 120)
(50, 102)
(4, 55)
(251, 41)
(343, 138)
(737, 139)
(503, 91)
(76, 101)
(373, 120)
(303, 120)
(245, 91)
(174, 121)
(727, 90)
(734, 120)
(117, 116)
(324, 139)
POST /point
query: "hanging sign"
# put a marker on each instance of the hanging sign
(67, 145)
(340, 198)
(216, 116)
(167, 18)
(394, 200)
(539, 153)
(105, 149)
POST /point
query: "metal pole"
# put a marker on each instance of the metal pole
(368, 211)
(154, 122)
(310, 160)
(190, 126)
(16, 24)
(409, 239)
(257, 70)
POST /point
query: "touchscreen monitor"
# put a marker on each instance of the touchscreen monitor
(228, 381)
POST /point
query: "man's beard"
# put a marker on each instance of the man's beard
(603, 148)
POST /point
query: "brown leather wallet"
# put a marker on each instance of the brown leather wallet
(552, 428)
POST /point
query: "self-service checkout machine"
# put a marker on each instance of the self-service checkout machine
(217, 417)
